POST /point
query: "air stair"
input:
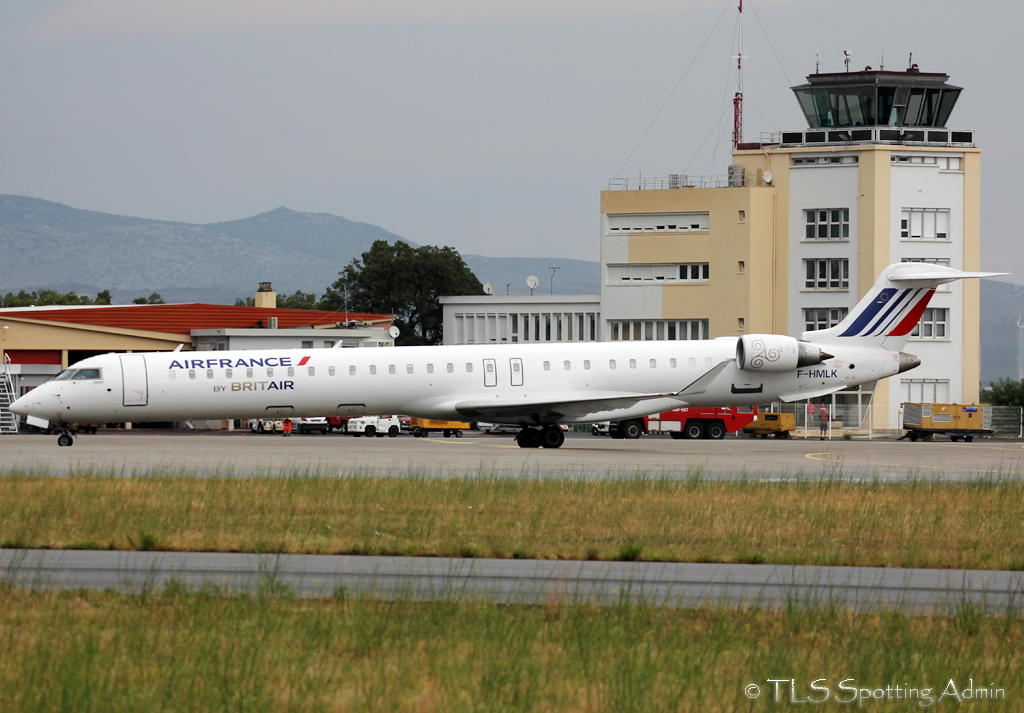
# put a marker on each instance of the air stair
(8, 421)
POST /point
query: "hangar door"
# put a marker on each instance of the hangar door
(133, 374)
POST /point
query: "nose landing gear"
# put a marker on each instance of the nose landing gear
(547, 437)
(65, 438)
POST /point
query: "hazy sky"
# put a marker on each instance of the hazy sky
(489, 125)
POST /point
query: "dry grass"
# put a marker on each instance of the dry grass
(204, 651)
(919, 524)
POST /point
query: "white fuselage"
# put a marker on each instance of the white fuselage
(429, 382)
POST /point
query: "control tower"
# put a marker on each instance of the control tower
(802, 225)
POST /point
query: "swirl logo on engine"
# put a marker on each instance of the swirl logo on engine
(762, 353)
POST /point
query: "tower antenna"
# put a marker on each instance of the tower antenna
(737, 101)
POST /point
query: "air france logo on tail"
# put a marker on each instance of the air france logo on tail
(893, 313)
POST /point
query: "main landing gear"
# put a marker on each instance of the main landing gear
(65, 437)
(547, 437)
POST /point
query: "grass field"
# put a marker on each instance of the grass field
(177, 651)
(831, 522)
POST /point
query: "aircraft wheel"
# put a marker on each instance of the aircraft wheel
(528, 438)
(64, 440)
(631, 429)
(715, 430)
(693, 429)
(552, 437)
(393, 432)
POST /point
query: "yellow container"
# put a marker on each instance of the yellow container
(432, 425)
(777, 424)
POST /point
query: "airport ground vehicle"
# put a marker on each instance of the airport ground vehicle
(337, 422)
(266, 425)
(922, 421)
(779, 425)
(421, 427)
(497, 427)
(312, 423)
(711, 423)
(375, 426)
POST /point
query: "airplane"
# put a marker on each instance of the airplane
(536, 386)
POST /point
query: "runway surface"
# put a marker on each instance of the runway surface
(522, 581)
(583, 455)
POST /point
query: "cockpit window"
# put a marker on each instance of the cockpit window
(77, 374)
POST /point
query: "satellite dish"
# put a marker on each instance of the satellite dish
(532, 281)
(488, 288)
(394, 332)
(767, 176)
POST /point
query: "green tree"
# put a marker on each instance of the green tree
(52, 297)
(245, 302)
(1004, 392)
(153, 299)
(404, 281)
(300, 300)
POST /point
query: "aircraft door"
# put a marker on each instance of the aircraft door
(133, 378)
(517, 371)
(490, 373)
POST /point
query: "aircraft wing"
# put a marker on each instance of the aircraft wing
(553, 409)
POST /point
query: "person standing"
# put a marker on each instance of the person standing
(824, 418)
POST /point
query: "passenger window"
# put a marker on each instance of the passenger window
(566, 365)
(248, 373)
(451, 368)
(469, 368)
(408, 368)
(489, 367)
(291, 371)
(172, 374)
(586, 363)
(270, 372)
(611, 363)
(209, 373)
(707, 361)
(191, 373)
(672, 362)
(352, 371)
(330, 371)
(391, 368)
(227, 373)
(691, 362)
(373, 369)
(312, 371)
(654, 363)
(547, 366)
(430, 368)
(632, 363)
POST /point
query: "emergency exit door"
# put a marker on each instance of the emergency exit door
(516, 366)
(490, 372)
(133, 377)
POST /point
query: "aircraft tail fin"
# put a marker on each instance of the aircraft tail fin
(891, 309)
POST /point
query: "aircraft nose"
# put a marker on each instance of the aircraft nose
(20, 406)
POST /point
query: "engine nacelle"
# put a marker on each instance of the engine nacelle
(775, 353)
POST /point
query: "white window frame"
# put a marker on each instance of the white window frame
(658, 330)
(925, 224)
(827, 274)
(660, 223)
(933, 327)
(816, 318)
(834, 222)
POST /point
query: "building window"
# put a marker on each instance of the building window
(328, 344)
(828, 274)
(307, 345)
(816, 318)
(934, 324)
(660, 223)
(658, 330)
(929, 391)
(924, 224)
(685, 272)
(743, 215)
(741, 266)
(741, 323)
(827, 223)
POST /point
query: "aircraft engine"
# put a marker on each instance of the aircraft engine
(776, 353)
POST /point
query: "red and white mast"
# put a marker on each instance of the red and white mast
(737, 101)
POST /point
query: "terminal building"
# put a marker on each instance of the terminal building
(798, 231)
